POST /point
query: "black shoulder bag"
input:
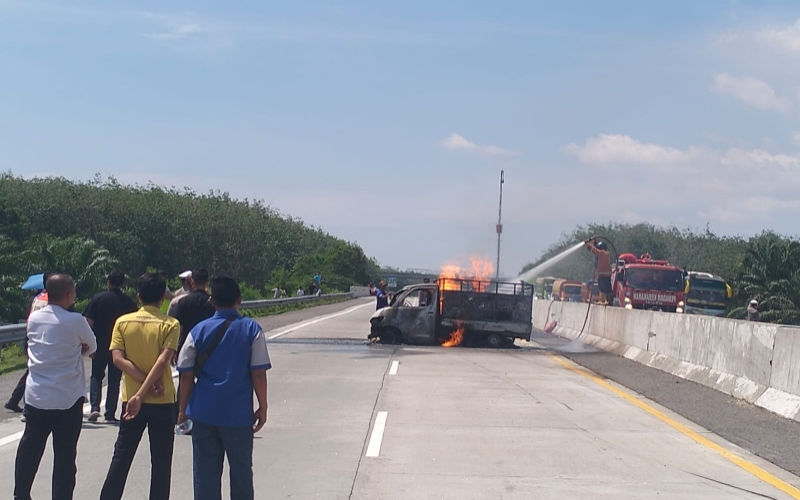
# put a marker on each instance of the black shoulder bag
(203, 357)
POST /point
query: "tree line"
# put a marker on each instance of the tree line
(88, 228)
(765, 267)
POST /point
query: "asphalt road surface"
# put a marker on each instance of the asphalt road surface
(349, 419)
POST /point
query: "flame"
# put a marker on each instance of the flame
(476, 276)
(455, 338)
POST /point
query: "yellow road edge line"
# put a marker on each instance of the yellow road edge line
(698, 438)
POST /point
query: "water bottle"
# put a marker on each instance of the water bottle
(184, 428)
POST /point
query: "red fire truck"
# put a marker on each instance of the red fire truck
(644, 283)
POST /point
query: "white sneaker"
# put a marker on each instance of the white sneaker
(94, 416)
(23, 418)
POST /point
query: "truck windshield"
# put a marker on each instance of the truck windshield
(708, 290)
(655, 279)
(572, 290)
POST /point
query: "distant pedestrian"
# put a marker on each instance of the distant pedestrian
(101, 313)
(142, 345)
(39, 302)
(372, 289)
(312, 288)
(228, 356)
(54, 393)
(300, 292)
(276, 292)
(318, 279)
(752, 311)
(382, 296)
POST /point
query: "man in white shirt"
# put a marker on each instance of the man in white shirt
(55, 390)
(300, 292)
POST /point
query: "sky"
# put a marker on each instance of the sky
(388, 124)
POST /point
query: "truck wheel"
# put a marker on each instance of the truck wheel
(495, 341)
(390, 336)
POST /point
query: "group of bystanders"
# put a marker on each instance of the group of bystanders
(221, 358)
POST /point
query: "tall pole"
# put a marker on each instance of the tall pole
(500, 223)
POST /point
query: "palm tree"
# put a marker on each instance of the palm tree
(771, 274)
(83, 259)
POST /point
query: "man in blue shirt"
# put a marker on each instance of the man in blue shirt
(220, 400)
(382, 296)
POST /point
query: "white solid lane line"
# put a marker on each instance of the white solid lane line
(374, 448)
(314, 322)
(393, 369)
(11, 439)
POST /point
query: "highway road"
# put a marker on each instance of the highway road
(350, 420)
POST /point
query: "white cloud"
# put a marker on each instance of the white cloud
(178, 31)
(731, 186)
(786, 38)
(757, 157)
(174, 26)
(619, 150)
(751, 91)
(457, 142)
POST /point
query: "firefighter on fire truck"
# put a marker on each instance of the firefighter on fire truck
(602, 267)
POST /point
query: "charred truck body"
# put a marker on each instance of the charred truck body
(644, 283)
(485, 312)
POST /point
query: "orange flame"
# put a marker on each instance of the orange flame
(455, 338)
(475, 276)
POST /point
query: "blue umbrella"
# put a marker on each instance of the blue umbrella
(34, 282)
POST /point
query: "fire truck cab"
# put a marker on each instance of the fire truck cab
(645, 283)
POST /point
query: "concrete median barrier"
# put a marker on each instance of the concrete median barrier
(756, 362)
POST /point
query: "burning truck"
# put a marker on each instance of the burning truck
(457, 310)
(644, 283)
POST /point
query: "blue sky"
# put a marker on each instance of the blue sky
(388, 124)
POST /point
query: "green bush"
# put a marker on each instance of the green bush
(12, 357)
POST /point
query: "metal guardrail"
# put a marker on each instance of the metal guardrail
(253, 304)
(16, 333)
(12, 333)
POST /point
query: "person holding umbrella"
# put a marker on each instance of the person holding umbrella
(34, 282)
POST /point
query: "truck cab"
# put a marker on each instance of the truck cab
(410, 317)
(645, 283)
(567, 291)
(707, 294)
(486, 312)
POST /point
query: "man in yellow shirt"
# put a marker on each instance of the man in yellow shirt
(142, 346)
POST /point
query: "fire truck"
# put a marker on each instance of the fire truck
(645, 283)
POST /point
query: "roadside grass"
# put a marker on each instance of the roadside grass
(12, 357)
(262, 312)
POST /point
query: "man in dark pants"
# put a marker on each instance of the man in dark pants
(101, 313)
(602, 268)
(195, 307)
(221, 402)
(54, 395)
(142, 346)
